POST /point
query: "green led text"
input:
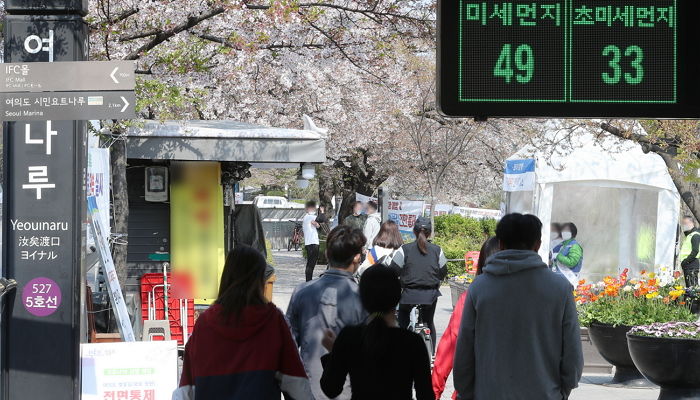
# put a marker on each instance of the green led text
(614, 56)
(524, 62)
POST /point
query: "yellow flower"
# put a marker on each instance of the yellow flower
(652, 295)
(652, 275)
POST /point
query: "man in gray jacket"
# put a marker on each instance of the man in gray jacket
(519, 337)
(330, 302)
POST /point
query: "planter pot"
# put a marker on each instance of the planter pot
(456, 289)
(611, 343)
(673, 364)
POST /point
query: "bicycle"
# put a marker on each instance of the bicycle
(295, 240)
(419, 326)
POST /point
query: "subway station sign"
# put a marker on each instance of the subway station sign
(569, 58)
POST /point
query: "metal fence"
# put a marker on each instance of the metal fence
(278, 224)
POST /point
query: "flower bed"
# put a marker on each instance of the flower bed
(620, 301)
(668, 354)
(611, 308)
(674, 330)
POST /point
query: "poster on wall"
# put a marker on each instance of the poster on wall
(129, 371)
(405, 213)
(519, 176)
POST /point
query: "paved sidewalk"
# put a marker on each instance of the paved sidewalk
(290, 273)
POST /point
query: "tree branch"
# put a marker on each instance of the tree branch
(230, 45)
(164, 35)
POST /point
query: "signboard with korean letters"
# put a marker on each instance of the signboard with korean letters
(129, 371)
(43, 224)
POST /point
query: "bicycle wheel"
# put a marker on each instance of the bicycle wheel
(289, 245)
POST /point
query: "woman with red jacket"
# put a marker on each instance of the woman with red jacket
(242, 347)
(444, 357)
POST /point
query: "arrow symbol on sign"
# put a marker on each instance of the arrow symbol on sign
(112, 75)
(126, 104)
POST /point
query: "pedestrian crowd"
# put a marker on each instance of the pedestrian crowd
(513, 335)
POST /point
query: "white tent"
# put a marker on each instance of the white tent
(623, 202)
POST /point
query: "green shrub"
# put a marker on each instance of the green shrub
(279, 193)
(457, 235)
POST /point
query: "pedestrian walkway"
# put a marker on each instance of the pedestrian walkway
(289, 268)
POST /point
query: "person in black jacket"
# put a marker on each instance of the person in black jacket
(384, 362)
(422, 266)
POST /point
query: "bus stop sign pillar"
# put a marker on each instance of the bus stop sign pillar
(44, 210)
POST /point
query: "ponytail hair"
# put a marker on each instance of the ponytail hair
(422, 239)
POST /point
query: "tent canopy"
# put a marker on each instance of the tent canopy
(623, 201)
(606, 160)
(199, 140)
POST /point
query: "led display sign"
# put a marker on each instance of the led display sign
(569, 58)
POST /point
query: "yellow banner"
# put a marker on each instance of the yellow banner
(197, 229)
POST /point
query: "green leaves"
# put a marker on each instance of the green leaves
(632, 311)
(457, 235)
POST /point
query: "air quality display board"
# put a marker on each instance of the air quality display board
(569, 58)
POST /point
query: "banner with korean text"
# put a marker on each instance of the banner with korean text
(405, 213)
(519, 175)
(131, 371)
(97, 185)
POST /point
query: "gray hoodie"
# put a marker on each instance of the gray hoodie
(519, 337)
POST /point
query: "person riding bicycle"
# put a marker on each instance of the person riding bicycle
(422, 266)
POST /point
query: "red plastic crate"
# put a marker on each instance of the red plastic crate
(155, 280)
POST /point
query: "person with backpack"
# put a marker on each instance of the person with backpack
(241, 346)
(383, 361)
(385, 245)
(422, 266)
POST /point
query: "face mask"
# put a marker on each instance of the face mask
(688, 228)
(553, 236)
(566, 235)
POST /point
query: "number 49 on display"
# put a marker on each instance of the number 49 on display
(524, 62)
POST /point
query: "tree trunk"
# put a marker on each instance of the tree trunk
(690, 191)
(346, 205)
(326, 189)
(120, 204)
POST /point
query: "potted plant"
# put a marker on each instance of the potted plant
(668, 354)
(612, 307)
(458, 285)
